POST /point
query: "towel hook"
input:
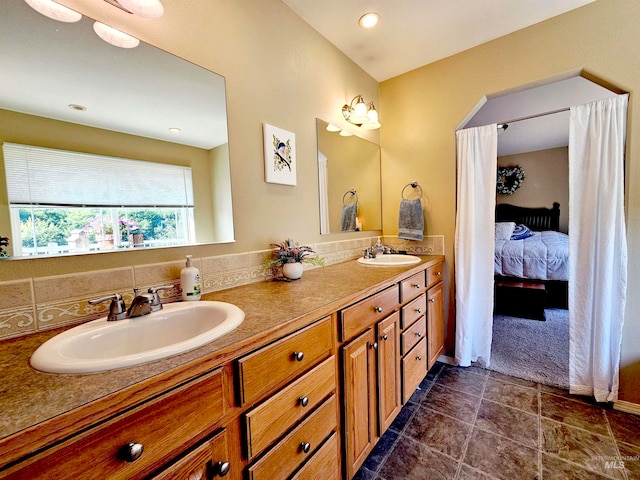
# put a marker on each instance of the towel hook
(352, 192)
(413, 185)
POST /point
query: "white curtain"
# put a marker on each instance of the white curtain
(323, 182)
(597, 246)
(477, 153)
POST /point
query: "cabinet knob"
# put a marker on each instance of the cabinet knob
(298, 356)
(374, 345)
(438, 274)
(384, 337)
(418, 311)
(432, 300)
(378, 309)
(130, 452)
(418, 334)
(305, 447)
(419, 358)
(416, 285)
(304, 401)
(221, 468)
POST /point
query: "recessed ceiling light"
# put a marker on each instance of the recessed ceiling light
(75, 106)
(369, 20)
(175, 130)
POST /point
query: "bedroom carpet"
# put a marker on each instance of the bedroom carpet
(531, 349)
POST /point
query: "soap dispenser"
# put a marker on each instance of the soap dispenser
(190, 281)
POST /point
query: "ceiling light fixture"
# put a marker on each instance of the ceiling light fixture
(54, 10)
(361, 114)
(77, 107)
(332, 128)
(369, 20)
(114, 36)
(175, 130)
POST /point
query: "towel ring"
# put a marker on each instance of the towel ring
(352, 192)
(412, 185)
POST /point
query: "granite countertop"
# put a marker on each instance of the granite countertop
(29, 397)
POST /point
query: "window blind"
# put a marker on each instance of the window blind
(45, 176)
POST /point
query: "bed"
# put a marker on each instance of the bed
(536, 265)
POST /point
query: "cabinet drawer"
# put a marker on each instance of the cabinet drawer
(414, 310)
(414, 369)
(324, 464)
(285, 359)
(359, 317)
(434, 274)
(269, 420)
(163, 426)
(289, 453)
(412, 287)
(413, 335)
(209, 460)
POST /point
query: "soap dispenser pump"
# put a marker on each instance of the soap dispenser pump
(190, 281)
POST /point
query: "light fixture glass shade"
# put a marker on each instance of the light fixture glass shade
(144, 8)
(359, 112)
(332, 128)
(372, 118)
(54, 10)
(344, 133)
(115, 37)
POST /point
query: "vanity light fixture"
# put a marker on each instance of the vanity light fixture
(332, 128)
(344, 133)
(114, 36)
(369, 20)
(361, 114)
(54, 10)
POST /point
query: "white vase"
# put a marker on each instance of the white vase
(292, 271)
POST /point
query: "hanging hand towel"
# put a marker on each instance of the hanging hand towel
(348, 218)
(411, 220)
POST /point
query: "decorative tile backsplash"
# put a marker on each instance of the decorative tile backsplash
(31, 305)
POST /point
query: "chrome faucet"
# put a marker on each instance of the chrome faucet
(141, 305)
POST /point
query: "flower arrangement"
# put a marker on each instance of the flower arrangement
(509, 179)
(4, 242)
(288, 252)
(103, 227)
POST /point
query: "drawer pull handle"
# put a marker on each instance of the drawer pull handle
(418, 311)
(304, 401)
(130, 452)
(298, 356)
(305, 447)
(378, 309)
(432, 300)
(438, 274)
(418, 334)
(384, 337)
(419, 358)
(374, 345)
(221, 469)
(416, 285)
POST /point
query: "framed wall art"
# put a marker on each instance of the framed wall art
(279, 155)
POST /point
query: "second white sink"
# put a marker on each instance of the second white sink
(390, 260)
(103, 345)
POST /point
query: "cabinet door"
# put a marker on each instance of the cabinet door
(435, 323)
(388, 370)
(359, 397)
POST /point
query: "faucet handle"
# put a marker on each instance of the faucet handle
(117, 308)
(155, 301)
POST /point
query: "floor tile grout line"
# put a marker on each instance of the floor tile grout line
(509, 406)
(582, 467)
(468, 439)
(615, 442)
(578, 428)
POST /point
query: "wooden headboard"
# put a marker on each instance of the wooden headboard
(537, 219)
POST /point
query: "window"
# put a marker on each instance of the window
(71, 202)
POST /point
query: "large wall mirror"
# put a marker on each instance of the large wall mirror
(349, 182)
(106, 148)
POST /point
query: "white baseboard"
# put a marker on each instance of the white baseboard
(627, 407)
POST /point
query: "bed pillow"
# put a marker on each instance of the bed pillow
(521, 232)
(504, 230)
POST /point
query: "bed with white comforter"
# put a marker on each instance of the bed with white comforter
(542, 256)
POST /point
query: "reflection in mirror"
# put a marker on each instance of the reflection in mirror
(349, 182)
(106, 148)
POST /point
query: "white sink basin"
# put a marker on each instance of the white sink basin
(390, 260)
(102, 345)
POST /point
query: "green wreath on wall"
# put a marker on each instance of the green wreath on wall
(509, 179)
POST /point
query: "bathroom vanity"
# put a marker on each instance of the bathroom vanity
(303, 389)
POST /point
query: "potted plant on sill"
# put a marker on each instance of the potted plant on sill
(286, 260)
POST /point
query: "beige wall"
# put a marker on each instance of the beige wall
(547, 181)
(421, 110)
(278, 70)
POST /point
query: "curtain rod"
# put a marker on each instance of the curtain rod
(537, 115)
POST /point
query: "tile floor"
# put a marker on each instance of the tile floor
(473, 424)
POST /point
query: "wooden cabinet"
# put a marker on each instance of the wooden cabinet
(323, 465)
(435, 315)
(388, 370)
